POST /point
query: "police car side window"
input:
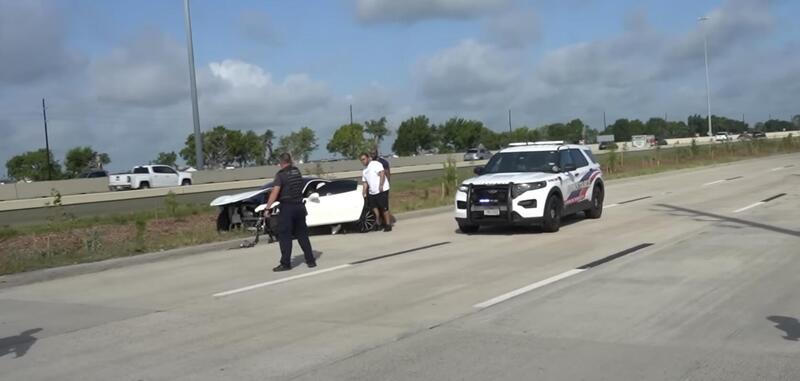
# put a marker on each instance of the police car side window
(590, 155)
(578, 158)
(565, 158)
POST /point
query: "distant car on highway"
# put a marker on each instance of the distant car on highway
(479, 153)
(94, 173)
(722, 137)
(531, 184)
(607, 145)
(149, 176)
(748, 135)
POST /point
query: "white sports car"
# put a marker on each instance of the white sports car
(329, 203)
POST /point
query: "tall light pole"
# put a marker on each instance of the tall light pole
(708, 87)
(198, 137)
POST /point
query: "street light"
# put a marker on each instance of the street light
(198, 137)
(708, 87)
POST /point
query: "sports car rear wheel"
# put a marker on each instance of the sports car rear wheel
(367, 221)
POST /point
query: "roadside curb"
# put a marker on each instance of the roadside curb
(20, 279)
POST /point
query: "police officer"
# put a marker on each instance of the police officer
(288, 189)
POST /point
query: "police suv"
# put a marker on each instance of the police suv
(531, 184)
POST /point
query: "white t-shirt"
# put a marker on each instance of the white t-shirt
(371, 175)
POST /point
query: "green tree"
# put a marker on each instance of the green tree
(796, 122)
(166, 158)
(377, 130)
(268, 155)
(32, 165)
(774, 125)
(414, 135)
(459, 134)
(79, 159)
(299, 144)
(348, 141)
(223, 147)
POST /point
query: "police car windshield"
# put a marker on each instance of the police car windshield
(541, 161)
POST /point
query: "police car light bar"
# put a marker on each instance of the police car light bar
(549, 142)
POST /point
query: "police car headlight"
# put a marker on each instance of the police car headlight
(519, 189)
(463, 188)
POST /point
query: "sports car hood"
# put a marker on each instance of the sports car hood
(230, 199)
(510, 177)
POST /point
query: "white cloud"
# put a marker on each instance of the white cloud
(468, 74)
(258, 27)
(409, 11)
(515, 28)
(32, 43)
(150, 70)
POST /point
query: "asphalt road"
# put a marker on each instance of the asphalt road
(689, 275)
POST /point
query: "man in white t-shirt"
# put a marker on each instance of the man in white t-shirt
(376, 190)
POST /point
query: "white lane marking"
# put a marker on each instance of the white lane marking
(528, 288)
(713, 182)
(748, 207)
(282, 280)
(777, 169)
(611, 206)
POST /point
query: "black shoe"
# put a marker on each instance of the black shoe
(311, 264)
(282, 268)
(377, 228)
(388, 228)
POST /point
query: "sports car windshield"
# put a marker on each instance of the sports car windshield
(542, 161)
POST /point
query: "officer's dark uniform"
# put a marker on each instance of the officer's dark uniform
(292, 216)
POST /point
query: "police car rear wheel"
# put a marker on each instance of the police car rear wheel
(597, 203)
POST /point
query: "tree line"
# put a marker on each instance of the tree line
(224, 147)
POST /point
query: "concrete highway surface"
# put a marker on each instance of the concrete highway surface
(690, 275)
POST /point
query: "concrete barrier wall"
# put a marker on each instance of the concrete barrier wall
(37, 189)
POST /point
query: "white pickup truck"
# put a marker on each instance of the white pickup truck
(149, 176)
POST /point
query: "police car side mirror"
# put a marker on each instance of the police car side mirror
(314, 197)
(478, 170)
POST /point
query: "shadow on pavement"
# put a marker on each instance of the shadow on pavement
(300, 259)
(721, 218)
(19, 344)
(789, 325)
(516, 230)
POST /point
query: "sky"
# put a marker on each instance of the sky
(115, 73)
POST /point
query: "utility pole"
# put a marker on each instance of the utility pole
(351, 114)
(708, 87)
(509, 120)
(198, 137)
(47, 143)
(604, 121)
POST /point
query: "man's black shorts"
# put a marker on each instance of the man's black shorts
(379, 201)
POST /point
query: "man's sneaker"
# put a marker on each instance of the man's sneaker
(282, 268)
(377, 227)
(311, 264)
(388, 228)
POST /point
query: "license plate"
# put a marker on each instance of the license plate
(491, 212)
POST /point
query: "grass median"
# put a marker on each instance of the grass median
(65, 240)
